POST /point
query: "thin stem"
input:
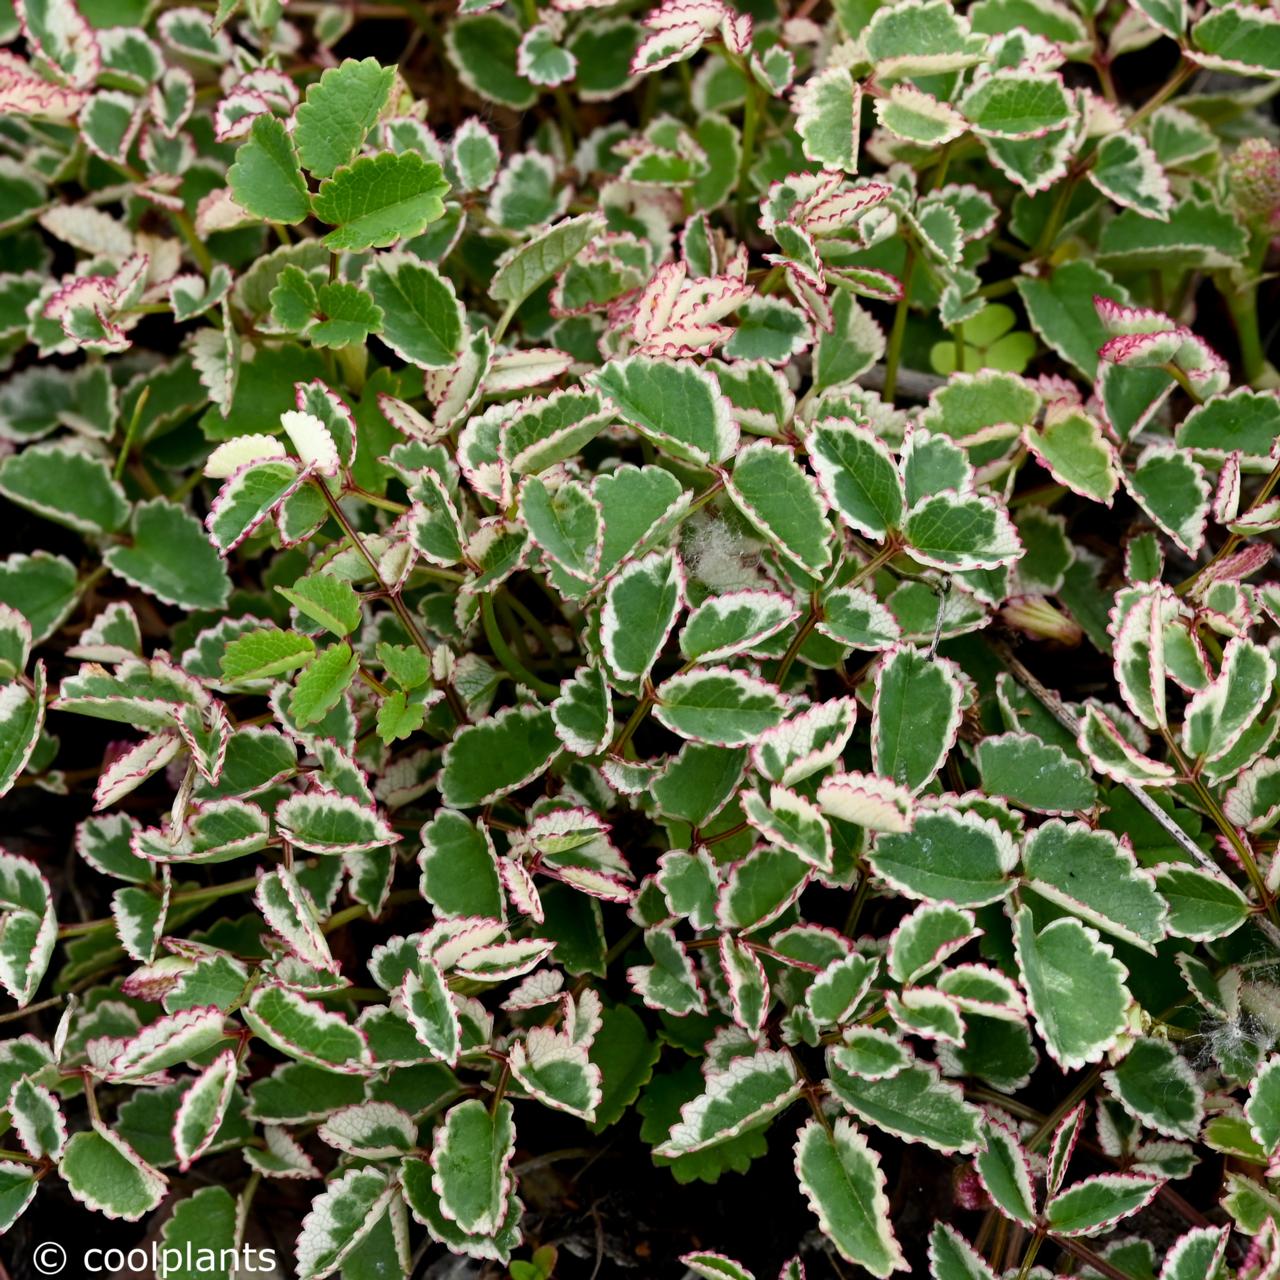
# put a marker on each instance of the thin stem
(14, 1014)
(894, 354)
(1029, 1258)
(1099, 1264)
(503, 321)
(531, 620)
(1224, 824)
(502, 651)
(750, 125)
(397, 603)
(797, 643)
(126, 446)
(1184, 382)
(1235, 539)
(619, 743)
(209, 893)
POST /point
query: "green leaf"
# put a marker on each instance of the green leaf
(852, 345)
(1223, 710)
(326, 822)
(258, 655)
(422, 319)
(1005, 1171)
(304, 1030)
(525, 268)
(1158, 1087)
(171, 558)
(291, 915)
(1240, 39)
(1075, 987)
(948, 856)
(1034, 774)
(1197, 233)
(951, 1257)
(203, 1109)
(17, 1189)
(727, 624)
(1013, 104)
(915, 716)
(341, 1216)
(42, 588)
(920, 38)
(1126, 169)
(566, 522)
(1198, 1252)
(1060, 308)
(670, 983)
(1171, 488)
(1263, 1107)
(641, 604)
(625, 1056)
(744, 1095)
(724, 707)
(827, 110)
(841, 1178)
(429, 1008)
(105, 1174)
(496, 756)
(484, 50)
(340, 109)
(472, 1151)
(266, 179)
(550, 1067)
(791, 821)
(858, 475)
(28, 928)
(1098, 1203)
(37, 1119)
(1093, 875)
(322, 685)
(916, 116)
(247, 499)
(1202, 906)
(768, 486)
(202, 1224)
(380, 199)
(926, 938)
(1242, 420)
(913, 1104)
(1073, 449)
(961, 531)
(459, 867)
(67, 485)
(21, 722)
(678, 406)
(326, 599)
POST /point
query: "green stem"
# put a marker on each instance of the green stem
(502, 651)
(894, 355)
(1029, 1258)
(750, 126)
(1235, 539)
(530, 620)
(397, 603)
(503, 321)
(210, 893)
(126, 447)
(797, 643)
(1184, 382)
(619, 744)
(1221, 821)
